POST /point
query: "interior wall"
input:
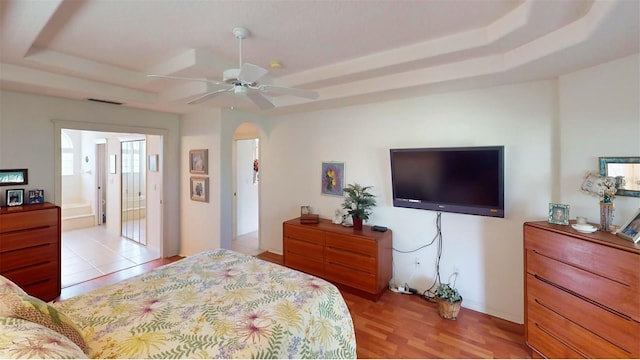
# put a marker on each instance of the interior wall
(27, 128)
(202, 220)
(600, 112)
(486, 252)
(246, 187)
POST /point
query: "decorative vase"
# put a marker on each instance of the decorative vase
(606, 215)
(357, 223)
(449, 310)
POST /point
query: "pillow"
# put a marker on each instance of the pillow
(21, 339)
(8, 286)
(29, 308)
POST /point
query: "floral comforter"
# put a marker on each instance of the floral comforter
(216, 304)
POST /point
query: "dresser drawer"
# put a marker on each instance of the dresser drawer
(40, 254)
(351, 260)
(308, 250)
(618, 296)
(609, 262)
(549, 346)
(571, 334)
(301, 233)
(365, 281)
(41, 281)
(25, 239)
(304, 263)
(619, 331)
(28, 220)
(355, 244)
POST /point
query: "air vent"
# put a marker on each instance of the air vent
(105, 101)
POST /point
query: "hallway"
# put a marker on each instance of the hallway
(92, 252)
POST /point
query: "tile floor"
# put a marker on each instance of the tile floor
(247, 244)
(92, 252)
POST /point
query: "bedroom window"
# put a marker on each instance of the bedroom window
(67, 154)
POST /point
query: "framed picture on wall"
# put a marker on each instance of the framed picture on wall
(153, 163)
(332, 178)
(199, 189)
(14, 177)
(198, 161)
(15, 197)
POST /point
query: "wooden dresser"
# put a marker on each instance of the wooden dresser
(30, 248)
(358, 261)
(582, 293)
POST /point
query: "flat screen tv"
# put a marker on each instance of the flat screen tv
(466, 180)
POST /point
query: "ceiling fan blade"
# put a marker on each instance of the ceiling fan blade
(250, 73)
(206, 96)
(260, 100)
(279, 90)
(213, 82)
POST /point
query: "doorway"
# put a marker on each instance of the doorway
(246, 163)
(93, 174)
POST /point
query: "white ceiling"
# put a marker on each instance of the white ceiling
(350, 51)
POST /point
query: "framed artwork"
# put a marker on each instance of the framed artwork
(305, 210)
(36, 196)
(631, 229)
(153, 163)
(200, 189)
(559, 214)
(15, 197)
(332, 178)
(14, 177)
(112, 163)
(198, 161)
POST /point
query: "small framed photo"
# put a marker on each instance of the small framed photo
(15, 197)
(305, 210)
(200, 189)
(332, 179)
(153, 163)
(36, 196)
(631, 229)
(559, 214)
(198, 161)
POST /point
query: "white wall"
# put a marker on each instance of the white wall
(28, 140)
(600, 112)
(201, 223)
(487, 252)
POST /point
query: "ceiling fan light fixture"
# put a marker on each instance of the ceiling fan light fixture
(240, 90)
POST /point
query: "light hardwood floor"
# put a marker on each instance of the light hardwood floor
(396, 326)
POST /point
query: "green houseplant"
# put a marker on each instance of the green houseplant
(449, 301)
(358, 202)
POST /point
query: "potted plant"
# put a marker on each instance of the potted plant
(358, 203)
(449, 301)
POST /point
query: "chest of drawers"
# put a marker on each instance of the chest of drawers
(30, 248)
(359, 261)
(582, 293)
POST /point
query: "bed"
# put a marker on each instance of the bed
(216, 304)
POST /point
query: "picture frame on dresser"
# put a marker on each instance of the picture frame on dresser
(35, 196)
(15, 197)
(630, 230)
(559, 214)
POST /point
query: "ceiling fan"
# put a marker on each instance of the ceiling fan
(243, 82)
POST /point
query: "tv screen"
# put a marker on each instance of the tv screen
(467, 180)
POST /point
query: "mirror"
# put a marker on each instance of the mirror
(626, 170)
